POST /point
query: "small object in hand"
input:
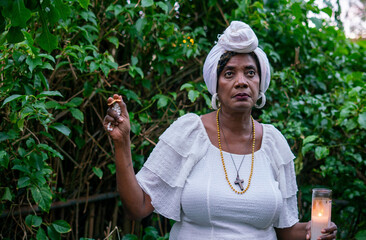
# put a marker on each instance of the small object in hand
(117, 109)
(114, 101)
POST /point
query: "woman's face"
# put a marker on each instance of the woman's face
(238, 85)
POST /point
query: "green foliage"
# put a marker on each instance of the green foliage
(60, 60)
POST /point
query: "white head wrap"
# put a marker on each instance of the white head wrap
(239, 38)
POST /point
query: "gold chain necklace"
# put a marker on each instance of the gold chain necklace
(237, 181)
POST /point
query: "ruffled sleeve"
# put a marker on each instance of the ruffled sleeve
(164, 173)
(281, 158)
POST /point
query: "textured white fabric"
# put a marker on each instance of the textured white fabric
(240, 38)
(185, 180)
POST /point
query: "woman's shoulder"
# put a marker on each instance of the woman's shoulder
(185, 122)
(275, 145)
(272, 132)
(184, 132)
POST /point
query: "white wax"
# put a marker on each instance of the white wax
(320, 216)
(318, 223)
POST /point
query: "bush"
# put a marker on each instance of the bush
(60, 60)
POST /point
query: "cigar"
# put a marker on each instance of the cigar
(114, 101)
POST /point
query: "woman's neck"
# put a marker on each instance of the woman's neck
(236, 122)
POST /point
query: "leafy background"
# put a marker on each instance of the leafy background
(60, 60)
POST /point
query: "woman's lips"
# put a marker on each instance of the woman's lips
(241, 96)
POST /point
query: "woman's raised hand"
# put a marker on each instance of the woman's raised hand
(118, 125)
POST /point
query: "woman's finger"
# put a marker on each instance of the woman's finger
(330, 232)
(328, 237)
(109, 119)
(331, 228)
(108, 123)
(114, 115)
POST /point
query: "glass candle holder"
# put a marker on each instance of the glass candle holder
(320, 211)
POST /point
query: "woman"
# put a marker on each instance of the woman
(221, 175)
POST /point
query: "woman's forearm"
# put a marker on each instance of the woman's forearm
(134, 199)
(296, 232)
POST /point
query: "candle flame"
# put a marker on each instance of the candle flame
(320, 214)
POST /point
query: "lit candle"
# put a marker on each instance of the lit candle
(320, 212)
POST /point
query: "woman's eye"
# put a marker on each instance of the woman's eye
(228, 74)
(251, 73)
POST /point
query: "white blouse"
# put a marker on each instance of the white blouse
(185, 179)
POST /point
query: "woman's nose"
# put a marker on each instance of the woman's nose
(241, 81)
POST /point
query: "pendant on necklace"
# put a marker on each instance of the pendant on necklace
(239, 182)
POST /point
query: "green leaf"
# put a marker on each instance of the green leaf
(75, 102)
(129, 237)
(112, 168)
(42, 196)
(47, 56)
(7, 194)
(4, 159)
(21, 168)
(11, 98)
(33, 62)
(362, 120)
(20, 124)
(53, 15)
(63, 9)
(162, 100)
(163, 6)
(76, 113)
(105, 69)
(3, 37)
(47, 65)
(328, 11)
(49, 93)
(42, 78)
(84, 3)
(151, 233)
(318, 22)
(147, 3)
(61, 226)
(174, 95)
(186, 85)
(52, 233)
(114, 40)
(350, 124)
(20, 14)
(14, 35)
(207, 100)
(139, 71)
(50, 150)
(23, 182)
(306, 148)
(93, 66)
(29, 38)
(47, 41)
(310, 138)
(33, 221)
(193, 95)
(296, 10)
(98, 172)
(41, 234)
(321, 152)
(61, 128)
(140, 24)
(135, 127)
(134, 60)
(22, 152)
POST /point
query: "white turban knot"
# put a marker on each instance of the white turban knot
(240, 38)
